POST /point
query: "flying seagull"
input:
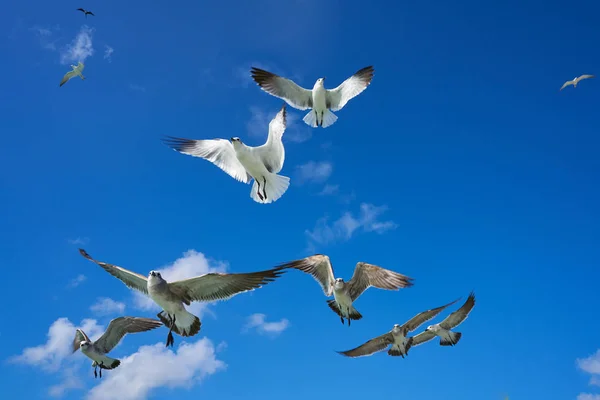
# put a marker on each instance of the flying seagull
(71, 74)
(117, 328)
(321, 101)
(244, 163)
(345, 293)
(397, 337)
(447, 337)
(86, 12)
(171, 296)
(575, 81)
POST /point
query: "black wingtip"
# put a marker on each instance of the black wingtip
(85, 254)
(176, 143)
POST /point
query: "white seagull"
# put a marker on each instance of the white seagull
(244, 163)
(397, 337)
(117, 328)
(575, 81)
(71, 74)
(172, 296)
(321, 101)
(345, 293)
(447, 337)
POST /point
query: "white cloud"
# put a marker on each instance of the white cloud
(347, 225)
(590, 365)
(258, 125)
(588, 396)
(329, 190)
(46, 36)
(70, 381)
(314, 171)
(108, 51)
(78, 280)
(106, 306)
(80, 241)
(137, 88)
(259, 323)
(80, 48)
(155, 366)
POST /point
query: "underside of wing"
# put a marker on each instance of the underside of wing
(286, 89)
(350, 88)
(425, 316)
(421, 338)
(319, 266)
(129, 278)
(458, 316)
(119, 327)
(372, 346)
(367, 275)
(272, 152)
(67, 76)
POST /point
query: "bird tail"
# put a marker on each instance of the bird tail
(186, 324)
(394, 351)
(276, 186)
(354, 314)
(310, 118)
(454, 338)
(329, 119)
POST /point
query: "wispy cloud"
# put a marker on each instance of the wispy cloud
(137, 88)
(588, 396)
(46, 36)
(348, 224)
(314, 171)
(70, 381)
(106, 306)
(78, 280)
(80, 241)
(329, 190)
(258, 125)
(590, 365)
(80, 48)
(259, 323)
(108, 51)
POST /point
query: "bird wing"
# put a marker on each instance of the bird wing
(80, 336)
(424, 316)
(119, 327)
(367, 275)
(218, 151)
(350, 88)
(421, 338)
(67, 76)
(585, 76)
(91, 13)
(458, 316)
(567, 83)
(286, 89)
(272, 152)
(81, 9)
(319, 266)
(80, 66)
(220, 286)
(129, 278)
(372, 346)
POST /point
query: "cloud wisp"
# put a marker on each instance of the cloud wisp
(591, 366)
(80, 48)
(108, 51)
(313, 172)
(107, 306)
(258, 322)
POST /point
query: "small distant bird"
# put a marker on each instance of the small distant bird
(447, 337)
(86, 12)
(322, 101)
(117, 328)
(575, 81)
(397, 337)
(244, 163)
(345, 293)
(171, 296)
(71, 74)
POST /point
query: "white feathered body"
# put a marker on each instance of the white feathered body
(250, 160)
(172, 306)
(320, 115)
(101, 360)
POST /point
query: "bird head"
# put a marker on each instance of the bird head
(339, 283)
(432, 328)
(320, 82)
(235, 141)
(84, 345)
(154, 276)
(396, 327)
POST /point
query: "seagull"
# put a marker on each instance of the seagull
(575, 81)
(117, 328)
(244, 163)
(345, 293)
(86, 12)
(171, 296)
(321, 101)
(397, 337)
(447, 337)
(71, 74)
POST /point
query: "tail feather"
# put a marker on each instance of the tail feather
(394, 351)
(329, 119)
(454, 338)
(310, 119)
(354, 314)
(186, 324)
(276, 186)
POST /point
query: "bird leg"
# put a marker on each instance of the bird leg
(260, 196)
(101, 365)
(96, 373)
(265, 187)
(342, 318)
(348, 321)
(170, 339)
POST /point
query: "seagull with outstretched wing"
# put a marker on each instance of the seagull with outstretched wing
(117, 328)
(172, 297)
(321, 101)
(86, 12)
(345, 293)
(77, 69)
(576, 80)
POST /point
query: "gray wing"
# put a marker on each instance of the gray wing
(372, 346)
(119, 327)
(296, 96)
(80, 66)
(272, 153)
(80, 336)
(66, 78)
(219, 286)
(367, 275)
(131, 279)
(218, 151)
(567, 83)
(424, 316)
(319, 266)
(421, 338)
(585, 76)
(350, 88)
(458, 316)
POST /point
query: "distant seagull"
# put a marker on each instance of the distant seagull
(86, 12)
(397, 337)
(447, 337)
(322, 101)
(244, 163)
(117, 328)
(575, 81)
(345, 293)
(71, 74)
(172, 296)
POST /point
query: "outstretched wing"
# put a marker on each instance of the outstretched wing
(319, 266)
(421, 338)
(424, 316)
(81, 9)
(80, 336)
(91, 13)
(350, 88)
(286, 89)
(219, 286)
(272, 152)
(372, 346)
(67, 76)
(367, 275)
(567, 83)
(131, 279)
(458, 316)
(218, 151)
(121, 326)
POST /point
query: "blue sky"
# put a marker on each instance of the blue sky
(462, 166)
